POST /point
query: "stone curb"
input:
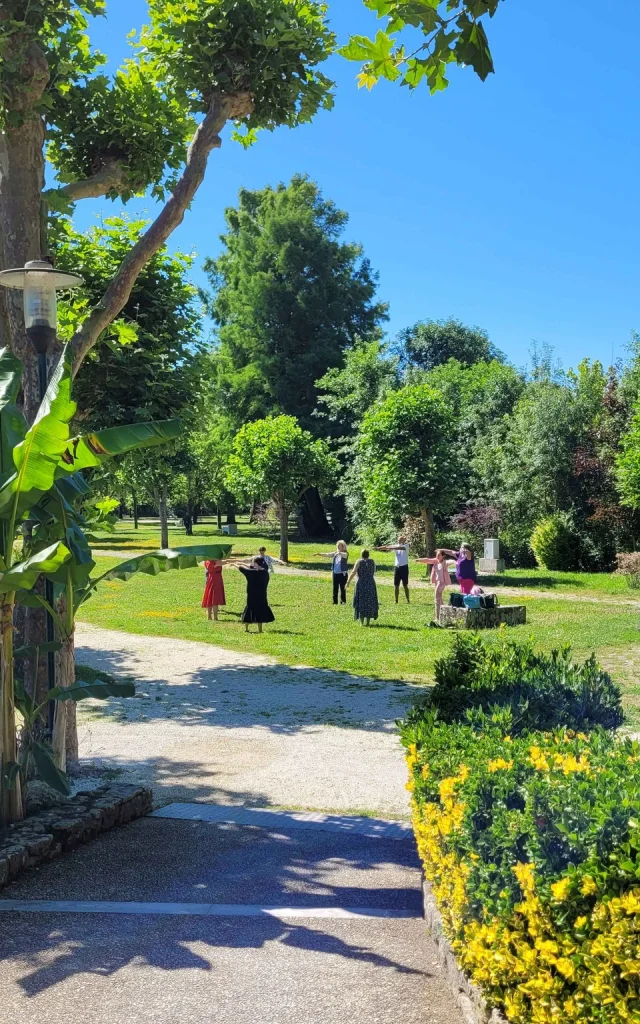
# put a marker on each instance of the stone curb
(468, 997)
(48, 834)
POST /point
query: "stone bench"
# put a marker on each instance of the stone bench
(483, 618)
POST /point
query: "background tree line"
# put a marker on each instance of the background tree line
(436, 430)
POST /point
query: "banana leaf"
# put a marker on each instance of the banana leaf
(155, 562)
(91, 450)
(37, 456)
(23, 575)
(12, 423)
(98, 690)
(29, 649)
(48, 771)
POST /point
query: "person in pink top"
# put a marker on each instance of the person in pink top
(439, 575)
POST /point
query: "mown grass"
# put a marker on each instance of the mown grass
(310, 630)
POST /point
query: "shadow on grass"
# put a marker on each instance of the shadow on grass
(526, 581)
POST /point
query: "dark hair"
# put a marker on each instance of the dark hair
(467, 547)
(365, 553)
(260, 562)
(262, 549)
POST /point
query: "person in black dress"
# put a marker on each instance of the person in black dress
(257, 607)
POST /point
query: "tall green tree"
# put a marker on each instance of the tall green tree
(408, 461)
(288, 297)
(276, 460)
(430, 343)
(193, 69)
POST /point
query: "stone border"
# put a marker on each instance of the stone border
(468, 997)
(48, 834)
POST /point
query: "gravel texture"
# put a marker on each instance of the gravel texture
(229, 727)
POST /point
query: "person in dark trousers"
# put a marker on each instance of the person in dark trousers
(340, 570)
(257, 607)
(401, 566)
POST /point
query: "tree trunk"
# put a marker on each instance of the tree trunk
(231, 514)
(164, 525)
(12, 805)
(219, 514)
(135, 509)
(21, 185)
(314, 516)
(64, 740)
(429, 533)
(283, 516)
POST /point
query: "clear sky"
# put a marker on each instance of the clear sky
(511, 204)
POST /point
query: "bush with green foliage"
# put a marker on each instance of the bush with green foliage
(541, 691)
(531, 845)
(556, 544)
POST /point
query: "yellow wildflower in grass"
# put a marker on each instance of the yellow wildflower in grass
(425, 772)
(561, 888)
(588, 887)
(499, 764)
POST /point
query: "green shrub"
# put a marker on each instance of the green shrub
(629, 567)
(556, 543)
(541, 691)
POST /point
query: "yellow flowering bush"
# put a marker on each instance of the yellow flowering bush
(531, 844)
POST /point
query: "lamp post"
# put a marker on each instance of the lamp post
(38, 281)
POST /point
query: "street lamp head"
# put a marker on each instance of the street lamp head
(39, 281)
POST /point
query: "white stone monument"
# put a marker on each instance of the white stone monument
(491, 563)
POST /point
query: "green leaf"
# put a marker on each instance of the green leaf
(472, 47)
(48, 771)
(10, 773)
(24, 575)
(29, 649)
(12, 424)
(92, 450)
(155, 562)
(98, 690)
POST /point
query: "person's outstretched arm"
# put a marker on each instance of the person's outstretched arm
(353, 572)
(427, 561)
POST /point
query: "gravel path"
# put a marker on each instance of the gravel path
(217, 725)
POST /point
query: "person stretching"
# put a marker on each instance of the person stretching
(340, 562)
(401, 566)
(466, 569)
(439, 575)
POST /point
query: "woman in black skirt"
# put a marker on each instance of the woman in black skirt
(257, 607)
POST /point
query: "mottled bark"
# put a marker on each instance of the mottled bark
(64, 741)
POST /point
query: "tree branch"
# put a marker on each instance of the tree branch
(223, 107)
(107, 179)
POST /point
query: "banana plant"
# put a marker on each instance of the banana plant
(36, 463)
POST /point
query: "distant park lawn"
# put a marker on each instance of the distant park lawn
(309, 630)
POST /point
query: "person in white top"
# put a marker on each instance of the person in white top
(401, 566)
(339, 564)
(269, 559)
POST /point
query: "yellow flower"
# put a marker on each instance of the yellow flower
(561, 888)
(538, 759)
(425, 771)
(499, 763)
(588, 886)
(507, 739)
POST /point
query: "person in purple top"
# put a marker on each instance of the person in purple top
(466, 569)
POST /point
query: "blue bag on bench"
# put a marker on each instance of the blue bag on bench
(472, 602)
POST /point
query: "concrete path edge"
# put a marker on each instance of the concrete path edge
(468, 997)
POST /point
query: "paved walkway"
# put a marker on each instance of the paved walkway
(226, 726)
(221, 906)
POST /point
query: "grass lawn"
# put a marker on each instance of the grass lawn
(302, 555)
(310, 630)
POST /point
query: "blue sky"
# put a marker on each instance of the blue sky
(512, 204)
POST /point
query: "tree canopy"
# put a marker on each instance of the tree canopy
(430, 343)
(275, 459)
(408, 464)
(288, 297)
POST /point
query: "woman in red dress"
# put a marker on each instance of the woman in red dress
(214, 589)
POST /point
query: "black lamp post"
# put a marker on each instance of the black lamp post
(38, 281)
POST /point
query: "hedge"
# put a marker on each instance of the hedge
(531, 844)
